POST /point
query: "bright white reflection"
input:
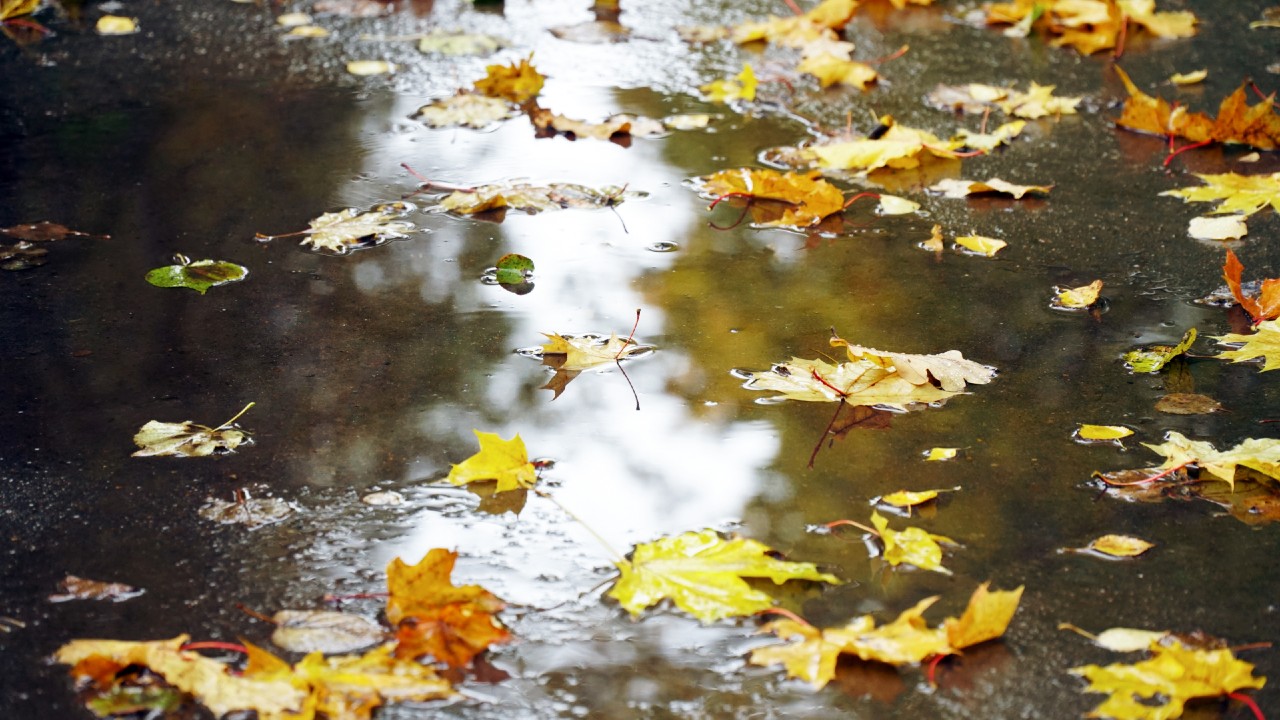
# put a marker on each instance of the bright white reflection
(632, 476)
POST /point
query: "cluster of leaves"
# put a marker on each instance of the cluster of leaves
(1237, 121)
(1089, 26)
(1238, 197)
(27, 251)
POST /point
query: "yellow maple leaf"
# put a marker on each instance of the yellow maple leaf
(912, 546)
(705, 574)
(1260, 454)
(856, 383)
(911, 498)
(897, 147)
(209, 681)
(740, 87)
(1237, 121)
(816, 25)
(505, 461)
(1102, 433)
(1159, 687)
(517, 83)
(958, 188)
(583, 352)
(986, 617)
(950, 369)
(1243, 194)
(1088, 25)
(832, 69)
(414, 589)
(812, 658)
(987, 142)
(810, 197)
(1120, 546)
(1265, 344)
(1077, 298)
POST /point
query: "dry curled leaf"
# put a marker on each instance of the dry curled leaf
(188, 439)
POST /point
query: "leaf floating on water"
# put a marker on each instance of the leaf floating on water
(894, 205)
(78, 588)
(466, 110)
(251, 512)
(1102, 433)
(434, 617)
(1191, 78)
(981, 245)
(1077, 298)
(831, 69)
(534, 198)
(503, 461)
(199, 275)
(940, 453)
(293, 19)
(518, 83)
(324, 631)
(910, 498)
(857, 383)
(370, 67)
(740, 87)
(954, 188)
(116, 25)
(1187, 404)
(1118, 546)
(807, 196)
(1230, 227)
(913, 546)
(950, 369)
(385, 498)
(1264, 344)
(458, 43)
(1237, 122)
(1120, 639)
(513, 269)
(188, 439)
(17, 8)
(1154, 358)
(346, 230)
(26, 254)
(986, 142)
(705, 575)
(1160, 687)
(1037, 102)
(549, 124)
(1259, 454)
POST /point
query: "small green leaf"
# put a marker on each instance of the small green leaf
(199, 275)
(513, 269)
(1152, 359)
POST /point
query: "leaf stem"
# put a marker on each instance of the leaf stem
(859, 196)
(227, 424)
(933, 667)
(1122, 35)
(333, 598)
(254, 614)
(892, 56)
(631, 337)
(1241, 697)
(215, 645)
(1143, 481)
(786, 614)
(1174, 153)
(855, 523)
(618, 558)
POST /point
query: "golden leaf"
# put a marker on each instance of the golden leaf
(912, 546)
(811, 198)
(1104, 433)
(741, 87)
(832, 69)
(505, 461)
(950, 369)
(812, 659)
(986, 617)
(518, 83)
(981, 244)
(1120, 546)
(1243, 194)
(370, 67)
(1078, 297)
(857, 383)
(956, 188)
(1265, 344)
(1260, 454)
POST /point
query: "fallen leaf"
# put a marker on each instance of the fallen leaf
(894, 205)
(1036, 102)
(293, 19)
(986, 617)
(434, 617)
(116, 25)
(1077, 298)
(466, 110)
(1262, 455)
(1237, 121)
(587, 350)
(940, 453)
(17, 8)
(934, 243)
(819, 23)
(46, 231)
(811, 198)
(534, 198)
(346, 230)
(1265, 305)
(1234, 193)
(78, 588)
(981, 245)
(705, 575)
(1089, 26)
(987, 142)
(370, 67)
(956, 188)
(897, 147)
(1191, 78)
(1187, 404)
(1230, 227)
(503, 461)
(913, 546)
(1159, 688)
(324, 631)
(188, 439)
(831, 69)
(950, 369)
(252, 512)
(209, 681)
(199, 275)
(857, 383)
(550, 124)
(1102, 433)
(518, 83)
(1118, 546)
(458, 43)
(594, 32)
(811, 658)
(910, 498)
(308, 31)
(1120, 639)
(740, 87)
(1265, 344)
(513, 269)
(1154, 358)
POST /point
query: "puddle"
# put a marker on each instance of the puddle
(370, 371)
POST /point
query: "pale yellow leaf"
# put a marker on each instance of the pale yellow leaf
(370, 67)
(1103, 433)
(981, 245)
(1190, 78)
(1227, 227)
(116, 25)
(1121, 546)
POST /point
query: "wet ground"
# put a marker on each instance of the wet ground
(371, 370)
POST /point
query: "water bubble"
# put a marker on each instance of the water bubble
(663, 247)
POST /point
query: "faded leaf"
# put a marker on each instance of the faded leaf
(1120, 639)
(550, 124)
(1120, 546)
(116, 25)
(811, 198)
(1158, 688)
(434, 617)
(188, 439)
(457, 43)
(1260, 454)
(534, 198)
(503, 461)
(1191, 78)
(1154, 358)
(518, 83)
(955, 188)
(950, 369)
(252, 512)
(1265, 344)
(209, 681)
(740, 87)
(1228, 227)
(857, 383)
(466, 110)
(308, 31)
(1187, 404)
(370, 67)
(705, 574)
(324, 631)
(1038, 101)
(897, 147)
(912, 546)
(587, 351)
(981, 245)
(346, 230)
(78, 588)
(199, 275)
(894, 205)
(1077, 298)
(1102, 433)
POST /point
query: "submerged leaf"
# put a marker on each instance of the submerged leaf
(458, 43)
(78, 588)
(1187, 404)
(705, 574)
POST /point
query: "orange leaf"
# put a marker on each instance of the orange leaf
(423, 588)
(453, 634)
(1267, 305)
(1237, 121)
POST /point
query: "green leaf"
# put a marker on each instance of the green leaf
(1152, 359)
(199, 275)
(514, 269)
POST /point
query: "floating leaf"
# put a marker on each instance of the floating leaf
(1265, 344)
(116, 25)
(1102, 433)
(434, 617)
(1119, 546)
(534, 198)
(857, 383)
(1237, 122)
(1191, 78)
(513, 269)
(1265, 305)
(307, 31)
(987, 142)
(894, 205)
(1037, 102)
(1187, 404)
(458, 43)
(810, 197)
(912, 546)
(940, 453)
(188, 439)
(705, 575)
(466, 110)
(1077, 298)
(950, 369)
(955, 188)
(740, 87)
(1242, 194)
(504, 461)
(346, 230)
(1262, 455)
(615, 126)
(199, 275)
(324, 631)
(1154, 358)
(518, 83)
(370, 67)
(981, 245)
(1089, 26)
(78, 588)
(570, 355)
(1159, 688)
(910, 498)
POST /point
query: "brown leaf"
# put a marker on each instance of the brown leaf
(78, 588)
(1187, 404)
